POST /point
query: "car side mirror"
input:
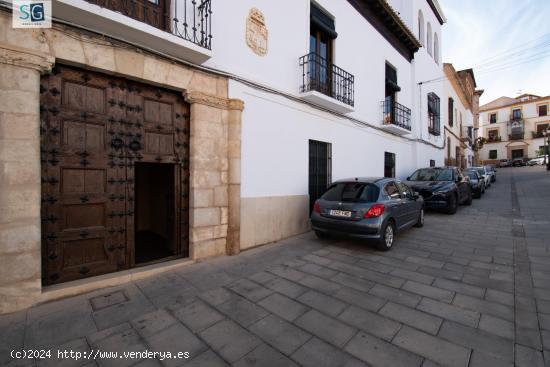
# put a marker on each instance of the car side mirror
(408, 178)
(416, 195)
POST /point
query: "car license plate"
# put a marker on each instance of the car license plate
(340, 213)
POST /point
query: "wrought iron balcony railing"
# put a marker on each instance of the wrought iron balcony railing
(493, 139)
(326, 78)
(434, 129)
(516, 136)
(537, 134)
(396, 114)
(188, 19)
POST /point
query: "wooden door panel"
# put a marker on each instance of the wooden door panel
(83, 181)
(81, 97)
(83, 136)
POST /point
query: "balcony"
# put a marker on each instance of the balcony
(493, 139)
(537, 134)
(516, 136)
(396, 118)
(179, 28)
(326, 84)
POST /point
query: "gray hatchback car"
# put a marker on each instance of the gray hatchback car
(367, 208)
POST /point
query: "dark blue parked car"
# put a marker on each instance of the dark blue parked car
(442, 187)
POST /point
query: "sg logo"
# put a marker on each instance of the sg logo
(33, 12)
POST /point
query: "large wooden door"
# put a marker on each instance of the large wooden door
(93, 128)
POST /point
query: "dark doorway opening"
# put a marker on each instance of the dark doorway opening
(389, 164)
(155, 211)
(517, 153)
(320, 170)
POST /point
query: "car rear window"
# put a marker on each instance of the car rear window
(472, 175)
(355, 192)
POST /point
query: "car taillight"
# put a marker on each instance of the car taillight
(375, 211)
(317, 207)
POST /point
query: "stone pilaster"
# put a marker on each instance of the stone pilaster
(215, 175)
(20, 259)
(234, 155)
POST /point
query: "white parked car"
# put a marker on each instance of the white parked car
(539, 161)
(484, 172)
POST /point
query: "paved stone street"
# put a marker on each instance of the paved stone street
(471, 289)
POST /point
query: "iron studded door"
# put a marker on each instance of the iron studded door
(94, 128)
(83, 205)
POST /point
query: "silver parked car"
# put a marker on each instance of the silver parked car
(492, 172)
(367, 208)
(484, 172)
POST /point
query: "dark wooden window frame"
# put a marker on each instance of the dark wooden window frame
(319, 69)
(542, 107)
(451, 109)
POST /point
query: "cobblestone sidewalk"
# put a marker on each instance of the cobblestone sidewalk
(471, 289)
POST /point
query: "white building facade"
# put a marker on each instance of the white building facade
(513, 128)
(280, 178)
(461, 102)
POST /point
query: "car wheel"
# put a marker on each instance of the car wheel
(420, 221)
(452, 204)
(469, 199)
(321, 235)
(478, 194)
(388, 236)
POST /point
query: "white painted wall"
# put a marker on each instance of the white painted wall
(275, 144)
(462, 114)
(276, 130)
(359, 49)
(427, 77)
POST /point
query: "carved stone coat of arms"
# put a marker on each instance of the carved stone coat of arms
(256, 32)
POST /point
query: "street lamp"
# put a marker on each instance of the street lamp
(547, 155)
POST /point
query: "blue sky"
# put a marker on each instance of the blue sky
(509, 41)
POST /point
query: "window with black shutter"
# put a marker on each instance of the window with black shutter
(433, 114)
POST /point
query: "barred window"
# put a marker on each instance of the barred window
(433, 114)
